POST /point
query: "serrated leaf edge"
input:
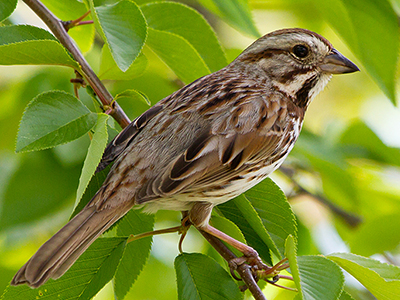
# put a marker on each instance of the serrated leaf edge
(201, 17)
(28, 106)
(186, 41)
(94, 12)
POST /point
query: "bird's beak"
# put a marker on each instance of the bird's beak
(336, 63)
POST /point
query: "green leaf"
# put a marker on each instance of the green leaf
(38, 186)
(187, 23)
(240, 212)
(377, 236)
(94, 185)
(9, 163)
(110, 70)
(358, 135)
(291, 255)
(196, 275)
(29, 45)
(381, 279)
(94, 154)
(133, 102)
(134, 96)
(136, 252)
(274, 210)
(306, 244)
(6, 8)
(53, 118)
(328, 161)
(320, 278)
(124, 29)
(84, 280)
(235, 12)
(178, 54)
(345, 296)
(70, 10)
(366, 25)
(23, 33)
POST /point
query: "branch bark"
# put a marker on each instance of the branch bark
(57, 28)
(243, 270)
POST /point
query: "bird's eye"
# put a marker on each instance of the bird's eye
(300, 51)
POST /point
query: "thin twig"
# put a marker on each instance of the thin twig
(71, 24)
(351, 219)
(84, 23)
(56, 26)
(243, 270)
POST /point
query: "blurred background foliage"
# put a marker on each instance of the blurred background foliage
(347, 155)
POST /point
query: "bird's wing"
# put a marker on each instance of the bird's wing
(243, 134)
(126, 136)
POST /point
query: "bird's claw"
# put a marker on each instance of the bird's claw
(253, 261)
(259, 269)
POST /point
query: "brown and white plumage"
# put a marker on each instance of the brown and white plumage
(204, 144)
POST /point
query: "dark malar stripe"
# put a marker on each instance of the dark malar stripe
(302, 97)
(289, 76)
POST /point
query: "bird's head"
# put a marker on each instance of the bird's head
(298, 62)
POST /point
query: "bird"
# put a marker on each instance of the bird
(203, 145)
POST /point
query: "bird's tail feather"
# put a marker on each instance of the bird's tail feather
(60, 252)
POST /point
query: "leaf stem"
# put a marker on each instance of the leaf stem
(57, 28)
(84, 22)
(71, 24)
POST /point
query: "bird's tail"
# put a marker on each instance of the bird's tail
(60, 252)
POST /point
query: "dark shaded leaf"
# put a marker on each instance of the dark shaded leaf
(6, 8)
(38, 187)
(94, 185)
(241, 213)
(274, 210)
(196, 275)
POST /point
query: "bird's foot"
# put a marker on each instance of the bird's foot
(251, 258)
(260, 270)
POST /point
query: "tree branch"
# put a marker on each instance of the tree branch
(243, 270)
(57, 28)
(351, 219)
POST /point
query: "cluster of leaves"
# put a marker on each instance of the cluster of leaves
(134, 34)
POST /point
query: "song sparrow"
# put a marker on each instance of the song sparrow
(203, 145)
